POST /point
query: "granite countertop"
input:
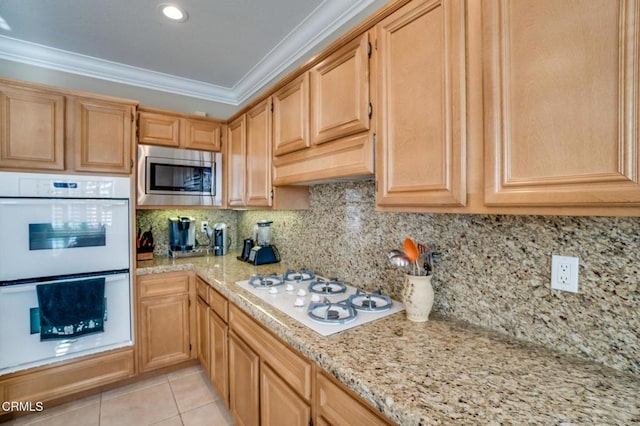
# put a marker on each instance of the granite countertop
(441, 371)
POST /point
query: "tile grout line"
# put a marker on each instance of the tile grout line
(100, 409)
(175, 401)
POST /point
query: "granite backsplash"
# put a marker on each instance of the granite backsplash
(158, 222)
(494, 271)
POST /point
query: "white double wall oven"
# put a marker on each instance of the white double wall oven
(65, 267)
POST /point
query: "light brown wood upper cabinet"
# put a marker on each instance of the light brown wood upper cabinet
(291, 116)
(168, 128)
(258, 171)
(249, 164)
(421, 143)
(561, 103)
(158, 128)
(341, 143)
(32, 128)
(340, 92)
(236, 161)
(102, 135)
(46, 128)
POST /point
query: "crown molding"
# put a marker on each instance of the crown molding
(327, 18)
(61, 60)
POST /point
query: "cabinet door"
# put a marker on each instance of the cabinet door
(244, 383)
(31, 129)
(279, 405)
(561, 102)
(219, 364)
(340, 93)
(259, 155)
(164, 331)
(202, 134)
(336, 406)
(422, 95)
(236, 160)
(158, 129)
(291, 116)
(102, 134)
(203, 333)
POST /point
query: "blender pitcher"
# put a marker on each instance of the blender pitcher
(264, 251)
(262, 233)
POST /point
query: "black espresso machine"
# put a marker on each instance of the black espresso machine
(259, 250)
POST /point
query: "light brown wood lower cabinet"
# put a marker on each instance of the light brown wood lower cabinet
(203, 333)
(244, 383)
(53, 382)
(262, 379)
(218, 355)
(337, 406)
(267, 379)
(279, 405)
(164, 319)
(213, 336)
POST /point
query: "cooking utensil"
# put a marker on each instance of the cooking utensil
(412, 253)
(425, 258)
(399, 260)
(395, 253)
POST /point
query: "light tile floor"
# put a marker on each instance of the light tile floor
(185, 397)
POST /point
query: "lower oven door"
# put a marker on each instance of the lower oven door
(51, 237)
(22, 324)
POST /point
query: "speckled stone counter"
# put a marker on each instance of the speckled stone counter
(441, 371)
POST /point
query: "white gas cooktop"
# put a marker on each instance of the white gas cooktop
(294, 297)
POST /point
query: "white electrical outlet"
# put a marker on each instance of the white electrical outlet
(203, 226)
(564, 273)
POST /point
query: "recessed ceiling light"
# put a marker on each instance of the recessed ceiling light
(173, 12)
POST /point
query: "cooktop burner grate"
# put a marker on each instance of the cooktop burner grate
(260, 281)
(301, 275)
(322, 286)
(370, 302)
(328, 312)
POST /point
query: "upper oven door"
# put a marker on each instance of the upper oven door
(49, 237)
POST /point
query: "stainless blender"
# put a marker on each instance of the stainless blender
(263, 252)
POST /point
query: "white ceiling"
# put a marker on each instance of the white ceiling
(227, 51)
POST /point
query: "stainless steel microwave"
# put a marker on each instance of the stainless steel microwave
(174, 176)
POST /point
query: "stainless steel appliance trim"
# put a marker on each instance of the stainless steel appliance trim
(178, 156)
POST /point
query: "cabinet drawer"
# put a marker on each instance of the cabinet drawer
(338, 407)
(202, 289)
(293, 368)
(163, 284)
(219, 304)
(75, 376)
